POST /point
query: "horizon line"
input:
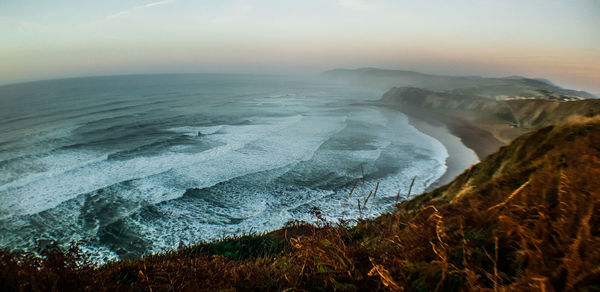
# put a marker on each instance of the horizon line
(21, 82)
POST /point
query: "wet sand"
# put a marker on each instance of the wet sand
(460, 157)
(465, 142)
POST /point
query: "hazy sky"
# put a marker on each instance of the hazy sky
(558, 40)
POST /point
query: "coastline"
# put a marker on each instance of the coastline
(460, 157)
(466, 143)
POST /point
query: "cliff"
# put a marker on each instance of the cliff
(526, 113)
(502, 120)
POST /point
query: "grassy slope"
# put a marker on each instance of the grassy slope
(535, 113)
(525, 218)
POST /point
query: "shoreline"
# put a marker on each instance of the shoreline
(460, 157)
(466, 143)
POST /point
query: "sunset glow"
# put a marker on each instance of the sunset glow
(553, 39)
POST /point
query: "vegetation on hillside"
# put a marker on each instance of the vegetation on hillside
(526, 113)
(526, 218)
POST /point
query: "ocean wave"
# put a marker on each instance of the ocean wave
(141, 171)
(34, 196)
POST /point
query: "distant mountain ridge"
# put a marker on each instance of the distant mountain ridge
(490, 87)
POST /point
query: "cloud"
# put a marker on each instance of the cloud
(235, 11)
(15, 23)
(118, 14)
(354, 4)
(130, 11)
(158, 3)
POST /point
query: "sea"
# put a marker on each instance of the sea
(131, 165)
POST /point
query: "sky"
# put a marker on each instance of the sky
(554, 39)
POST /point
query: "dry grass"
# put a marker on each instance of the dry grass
(527, 219)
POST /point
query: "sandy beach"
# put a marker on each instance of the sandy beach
(466, 143)
(460, 157)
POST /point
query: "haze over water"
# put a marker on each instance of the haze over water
(553, 39)
(136, 164)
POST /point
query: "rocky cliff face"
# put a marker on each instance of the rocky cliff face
(427, 99)
(525, 113)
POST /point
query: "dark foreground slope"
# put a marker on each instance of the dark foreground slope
(525, 218)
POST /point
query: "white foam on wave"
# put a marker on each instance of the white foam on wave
(51, 164)
(35, 141)
(266, 150)
(265, 211)
(261, 210)
(33, 196)
(290, 144)
(269, 145)
(397, 133)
